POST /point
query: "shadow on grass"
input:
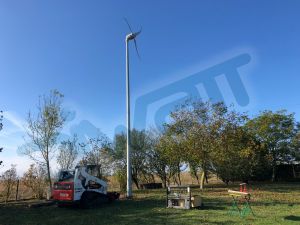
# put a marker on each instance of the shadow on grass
(292, 218)
(279, 187)
(212, 207)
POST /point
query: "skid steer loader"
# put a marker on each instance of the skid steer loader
(82, 186)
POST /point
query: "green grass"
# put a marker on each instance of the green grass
(272, 204)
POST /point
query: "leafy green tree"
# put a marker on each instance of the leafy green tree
(121, 176)
(276, 131)
(295, 146)
(168, 154)
(238, 156)
(194, 128)
(139, 148)
(157, 159)
(119, 148)
(43, 130)
(119, 159)
(213, 137)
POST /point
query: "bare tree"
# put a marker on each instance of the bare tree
(43, 130)
(35, 179)
(97, 152)
(68, 152)
(9, 178)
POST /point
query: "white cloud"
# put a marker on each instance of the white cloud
(16, 120)
(11, 137)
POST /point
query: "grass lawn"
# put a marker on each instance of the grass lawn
(272, 204)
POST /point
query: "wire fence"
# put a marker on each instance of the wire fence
(16, 191)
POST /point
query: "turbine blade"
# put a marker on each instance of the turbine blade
(136, 48)
(128, 25)
(140, 30)
(137, 33)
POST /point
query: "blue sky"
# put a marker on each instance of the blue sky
(78, 47)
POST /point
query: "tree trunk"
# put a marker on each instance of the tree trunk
(197, 177)
(294, 172)
(175, 180)
(194, 173)
(164, 180)
(49, 176)
(136, 182)
(206, 178)
(17, 191)
(179, 179)
(274, 173)
(7, 194)
(168, 181)
(202, 179)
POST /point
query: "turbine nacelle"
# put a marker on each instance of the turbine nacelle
(132, 36)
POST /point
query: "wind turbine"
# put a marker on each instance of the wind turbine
(131, 36)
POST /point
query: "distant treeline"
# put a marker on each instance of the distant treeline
(200, 137)
(206, 138)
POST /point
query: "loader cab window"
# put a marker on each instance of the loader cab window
(94, 170)
(93, 185)
(66, 176)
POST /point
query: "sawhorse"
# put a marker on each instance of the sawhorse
(245, 209)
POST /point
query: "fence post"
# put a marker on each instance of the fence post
(17, 192)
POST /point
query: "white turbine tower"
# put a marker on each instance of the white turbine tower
(131, 36)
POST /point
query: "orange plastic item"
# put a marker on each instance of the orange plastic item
(243, 187)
